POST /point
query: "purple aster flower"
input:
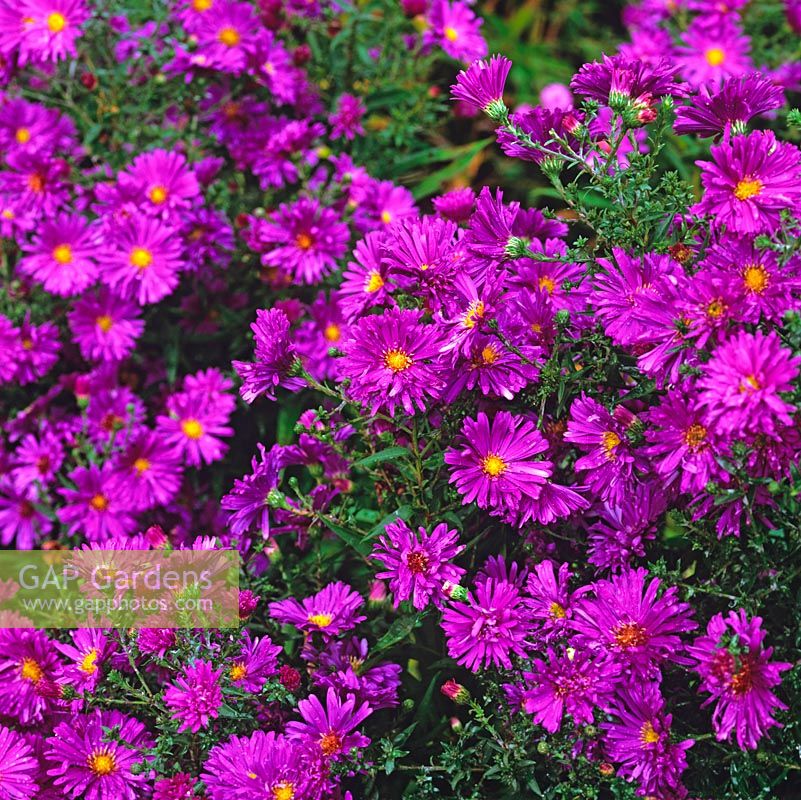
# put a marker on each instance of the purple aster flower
(456, 29)
(610, 461)
(262, 764)
(457, 205)
(18, 766)
(257, 660)
(743, 381)
(89, 652)
(730, 107)
(144, 260)
(393, 360)
(737, 672)
(92, 764)
(627, 620)
(640, 741)
(28, 661)
(315, 337)
(180, 786)
(226, 36)
(247, 503)
(417, 563)
(20, 521)
(37, 459)
(331, 611)
(330, 729)
(195, 698)
(95, 508)
(549, 598)
(383, 204)
(275, 357)
(160, 182)
(105, 326)
(571, 682)
(346, 121)
(155, 641)
(715, 48)
(44, 30)
(36, 183)
(364, 281)
(481, 85)
(750, 181)
(488, 628)
(61, 256)
(497, 466)
(37, 352)
(538, 125)
(303, 240)
(490, 226)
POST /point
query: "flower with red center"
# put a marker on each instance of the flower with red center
(417, 564)
(331, 611)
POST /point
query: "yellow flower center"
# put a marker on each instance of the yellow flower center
(750, 383)
(104, 322)
(630, 634)
(31, 671)
(748, 187)
(715, 56)
(610, 440)
(99, 502)
(451, 34)
(158, 194)
(320, 620)
(489, 355)
(229, 37)
(557, 611)
(386, 217)
(756, 278)
(475, 312)
(374, 283)
(397, 360)
(648, 735)
(330, 743)
(141, 465)
(56, 22)
(102, 762)
(304, 241)
(202, 5)
(23, 135)
(7, 213)
(284, 791)
(63, 254)
(238, 671)
(332, 332)
(695, 436)
(547, 283)
(141, 258)
(27, 343)
(89, 665)
(192, 429)
(493, 465)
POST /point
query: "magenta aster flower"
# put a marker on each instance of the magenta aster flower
(246, 503)
(729, 108)
(37, 458)
(715, 48)
(497, 466)
(567, 682)
(641, 742)
(226, 36)
(743, 381)
(490, 226)
(105, 326)
(46, 29)
(93, 764)
(144, 260)
(18, 766)
(737, 671)
(303, 240)
(346, 121)
(161, 182)
(627, 620)
(28, 661)
(180, 786)
(538, 125)
(195, 698)
(749, 182)
(393, 360)
(417, 563)
(257, 660)
(275, 357)
(549, 598)
(61, 257)
(383, 204)
(488, 628)
(149, 471)
(330, 729)
(37, 350)
(481, 85)
(456, 29)
(332, 610)
(36, 183)
(457, 205)
(20, 521)
(89, 653)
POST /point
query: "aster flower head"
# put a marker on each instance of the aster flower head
(105, 326)
(36, 350)
(28, 661)
(457, 205)
(488, 628)
(737, 672)
(743, 381)
(456, 29)
(540, 126)
(749, 182)
(393, 360)
(226, 37)
(89, 652)
(90, 764)
(161, 182)
(330, 730)
(417, 564)
(549, 599)
(195, 698)
(490, 229)
(37, 459)
(20, 520)
(331, 611)
(729, 108)
(630, 621)
(481, 86)
(49, 30)
(640, 740)
(714, 48)
(256, 662)
(346, 121)
(18, 766)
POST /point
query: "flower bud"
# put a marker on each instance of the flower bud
(456, 692)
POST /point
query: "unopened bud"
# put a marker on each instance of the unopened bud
(456, 692)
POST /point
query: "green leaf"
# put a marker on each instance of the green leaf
(398, 631)
(388, 454)
(351, 538)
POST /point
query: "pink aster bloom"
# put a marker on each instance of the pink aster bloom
(195, 698)
(743, 381)
(180, 786)
(88, 653)
(21, 523)
(35, 185)
(92, 764)
(37, 459)
(715, 48)
(194, 426)
(38, 351)
(749, 182)
(105, 326)
(346, 121)
(61, 256)
(393, 360)
(487, 629)
(633, 624)
(549, 598)
(160, 182)
(45, 30)
(737, 671)
(481, 85)
(329, 729)
(457, 205)
(417, 564)
(226, 37)
(332, 610)
(256, 661)
(456, 29)
(18, 766)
